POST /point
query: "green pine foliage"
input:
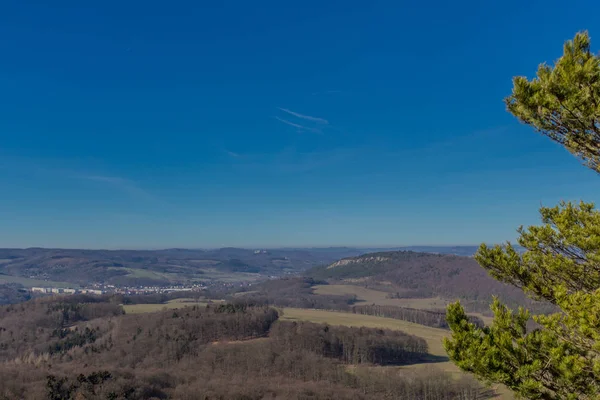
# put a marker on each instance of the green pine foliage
(563, 102)
(561, 263)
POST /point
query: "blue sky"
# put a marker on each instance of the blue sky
(160, 124)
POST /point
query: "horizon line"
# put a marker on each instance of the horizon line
(240, 247)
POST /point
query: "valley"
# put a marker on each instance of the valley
(398, 291)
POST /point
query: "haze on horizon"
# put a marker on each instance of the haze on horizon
(150, 125)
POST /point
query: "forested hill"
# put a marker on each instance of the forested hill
(415, 274)
(162, 267)
(159, 267)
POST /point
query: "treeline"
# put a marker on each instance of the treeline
(173, 335)
(435, 319)
(11, 293)
(350, 345)
(248, 371)
(33, 327)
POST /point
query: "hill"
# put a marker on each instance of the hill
(408, 274)
(42, 267)
(157, 267)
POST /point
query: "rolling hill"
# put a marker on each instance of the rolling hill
(408, 274)
(158, 267)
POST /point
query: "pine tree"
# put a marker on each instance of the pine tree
(561, 261)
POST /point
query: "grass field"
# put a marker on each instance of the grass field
(433, 336)
(245, 293)
(370, 296)
(170, 305)
(145, 273)
(28, 282)
(149, 308)
(224, 276)
(186, 300)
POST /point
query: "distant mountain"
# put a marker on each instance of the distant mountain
(353, 251)
(158, 267)
(456, 250)
(176, 265)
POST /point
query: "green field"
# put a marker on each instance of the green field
(433, 336)
(28, 282)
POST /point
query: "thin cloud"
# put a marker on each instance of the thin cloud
(298, 126)
(57, 170)
(232, 154)
(306, 117)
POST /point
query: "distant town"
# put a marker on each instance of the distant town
(104, 289)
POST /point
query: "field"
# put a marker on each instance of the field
(205, 272)
(28, 282)
(370, 296)
(433, 336)
(225, 276)
(142, 273)
(171, 305)
(205, 262)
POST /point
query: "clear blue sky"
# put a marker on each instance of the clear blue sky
(144, 124)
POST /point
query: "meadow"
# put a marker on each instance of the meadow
(369, 296)
(170, 305)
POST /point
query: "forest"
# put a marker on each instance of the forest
(85, 347)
